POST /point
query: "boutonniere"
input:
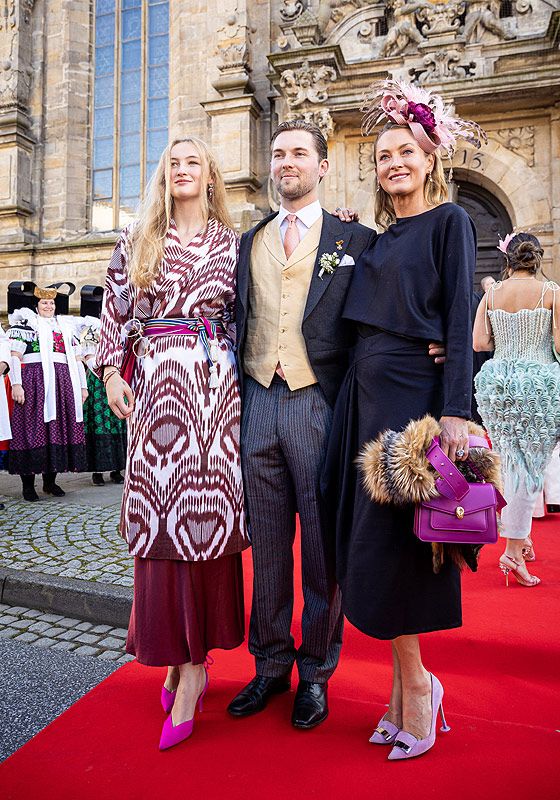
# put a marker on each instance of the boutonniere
(328, 263)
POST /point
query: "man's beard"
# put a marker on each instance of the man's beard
(298, 188)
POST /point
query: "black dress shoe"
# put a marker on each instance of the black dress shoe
(311, 705)
(254, 697)
(116, 476)
(552, 508)
(97, 479)
(54, 489)
(30, 495)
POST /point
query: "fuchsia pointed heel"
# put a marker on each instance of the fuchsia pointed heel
(385, 733)
(409, 746)
(167, 699)
(174, 734)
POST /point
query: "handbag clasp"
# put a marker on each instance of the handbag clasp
(459, 512)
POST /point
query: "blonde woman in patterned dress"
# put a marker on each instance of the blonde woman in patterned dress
(170, 289)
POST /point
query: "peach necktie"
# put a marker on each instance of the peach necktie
(291, 237)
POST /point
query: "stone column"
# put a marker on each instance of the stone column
(67, 101)
(16, 138)
(235, 116)
(189, 53)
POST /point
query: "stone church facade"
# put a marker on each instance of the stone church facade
(90, 91)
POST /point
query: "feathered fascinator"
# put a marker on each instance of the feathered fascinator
(431, 122)
(503, 243)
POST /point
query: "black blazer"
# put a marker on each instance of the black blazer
(328, 338)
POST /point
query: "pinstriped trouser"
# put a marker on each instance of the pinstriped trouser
(283, 445)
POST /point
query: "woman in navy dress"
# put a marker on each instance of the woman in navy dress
(411, 287)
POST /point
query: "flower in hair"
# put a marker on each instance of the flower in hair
(431, 122)
(503, 243)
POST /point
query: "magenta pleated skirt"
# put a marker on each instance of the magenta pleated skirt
(183, 609)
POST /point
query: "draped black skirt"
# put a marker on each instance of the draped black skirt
(385, 573)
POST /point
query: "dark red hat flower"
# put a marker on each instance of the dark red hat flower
(424, 115)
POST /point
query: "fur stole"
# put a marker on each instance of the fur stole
(394, 469)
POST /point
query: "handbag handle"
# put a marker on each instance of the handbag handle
(451, 476)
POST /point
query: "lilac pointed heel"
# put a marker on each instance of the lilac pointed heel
(167, 699)
(174, 734)
(385, 733)
(409, 746)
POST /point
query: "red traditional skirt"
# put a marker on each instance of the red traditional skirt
(183, 609)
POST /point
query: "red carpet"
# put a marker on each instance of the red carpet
(500, 673)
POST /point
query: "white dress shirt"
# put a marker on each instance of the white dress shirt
(306, 217)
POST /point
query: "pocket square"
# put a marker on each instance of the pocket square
(346, 261)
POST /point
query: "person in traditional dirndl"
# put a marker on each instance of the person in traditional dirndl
(169, 295)
(48, 389)
(105, 433)
(411, 286)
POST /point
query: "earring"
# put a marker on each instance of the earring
(210, 191)
(377, 187)
(430, 179)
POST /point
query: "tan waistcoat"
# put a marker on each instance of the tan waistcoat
(278, 289)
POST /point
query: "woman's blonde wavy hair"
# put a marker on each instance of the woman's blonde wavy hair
(436, 190)
(147, 239)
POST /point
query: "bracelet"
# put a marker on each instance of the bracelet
(110, 375)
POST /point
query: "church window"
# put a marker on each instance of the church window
(131, 104)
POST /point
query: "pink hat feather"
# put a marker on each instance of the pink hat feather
(432, 123)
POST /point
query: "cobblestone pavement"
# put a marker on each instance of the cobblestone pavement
(63, 634)
(74, 536)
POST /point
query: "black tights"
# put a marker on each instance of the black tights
(28, 481)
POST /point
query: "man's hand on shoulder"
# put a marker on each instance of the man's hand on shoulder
(346, 214)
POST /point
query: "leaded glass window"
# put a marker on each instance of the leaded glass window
(130, 104)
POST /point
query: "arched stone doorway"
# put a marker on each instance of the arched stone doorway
(491, 221)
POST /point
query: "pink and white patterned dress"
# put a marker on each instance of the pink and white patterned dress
(183, 494)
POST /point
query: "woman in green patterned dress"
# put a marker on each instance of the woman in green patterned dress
(105, 433)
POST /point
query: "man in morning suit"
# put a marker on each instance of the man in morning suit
(292, 350)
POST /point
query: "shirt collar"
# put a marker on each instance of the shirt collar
(308, 214)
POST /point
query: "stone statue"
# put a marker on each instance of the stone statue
(404, 30)
(484, 15)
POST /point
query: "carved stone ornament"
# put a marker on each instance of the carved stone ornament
(233, 46)
(9, 14)
(320, 117)
(443, 65)
(291, 10)
(523, 6)
(15, 85)
(8, 20)
(403, 31)
(520, 141)
(484, 15)
(306, 29)
(339, 9)
(366, 152)
(441, 18)
(306, 84)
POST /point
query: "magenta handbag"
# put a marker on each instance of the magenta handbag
(463, 512)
